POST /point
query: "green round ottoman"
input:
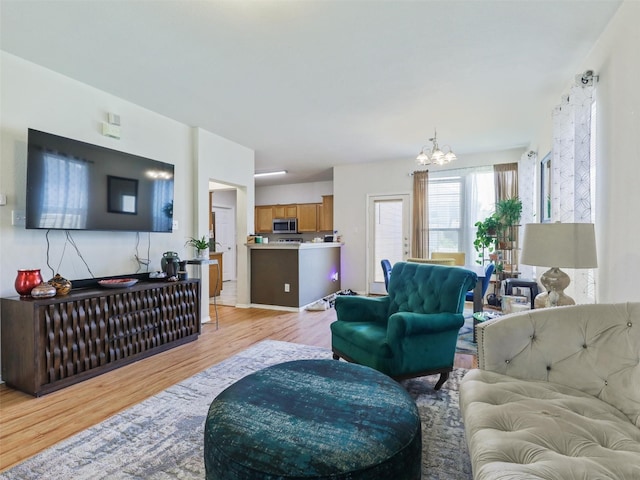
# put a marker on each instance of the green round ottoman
(313, 419)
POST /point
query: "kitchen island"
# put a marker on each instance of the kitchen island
(293, 275)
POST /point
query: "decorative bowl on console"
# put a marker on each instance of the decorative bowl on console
(118, 282)
(44, 290)
(62, 285)
(26, 280)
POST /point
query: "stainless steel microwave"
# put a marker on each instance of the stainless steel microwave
(285, 225)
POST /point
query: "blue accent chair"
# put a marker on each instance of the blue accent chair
(386, 270)
(485, 282)
(410, 332)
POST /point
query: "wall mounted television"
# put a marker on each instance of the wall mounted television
(72, 185)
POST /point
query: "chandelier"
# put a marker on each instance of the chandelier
(427, 155)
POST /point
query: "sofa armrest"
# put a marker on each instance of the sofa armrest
(508, 336)
(362, 309)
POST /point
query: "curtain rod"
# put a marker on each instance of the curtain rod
(454, 170)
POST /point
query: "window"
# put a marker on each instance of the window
(457, 200)
(446, 199)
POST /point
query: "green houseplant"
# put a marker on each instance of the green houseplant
(486, 234)
(509, 211)
(200, 244)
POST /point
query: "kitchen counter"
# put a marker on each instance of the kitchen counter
(293, 274)
(293, 245)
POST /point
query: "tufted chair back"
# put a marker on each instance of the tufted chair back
(592, 348)
(424, 288)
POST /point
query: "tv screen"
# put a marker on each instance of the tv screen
(73, 185)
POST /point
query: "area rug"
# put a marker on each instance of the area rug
(162, 437)
(465, 342)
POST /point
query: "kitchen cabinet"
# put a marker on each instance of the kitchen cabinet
(264, 219)
(326, 219)
(285, 211)
(215, 274)
(312, 217)
(308, 217)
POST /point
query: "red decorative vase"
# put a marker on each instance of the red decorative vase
(27, 280)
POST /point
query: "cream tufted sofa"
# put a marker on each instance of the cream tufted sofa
(557, 395)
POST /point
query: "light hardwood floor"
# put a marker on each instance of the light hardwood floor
(29, 425)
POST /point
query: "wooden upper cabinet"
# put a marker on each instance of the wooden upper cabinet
(285, 211)
(325, 221)
(308, 217)
(312, 217)
(264, 219)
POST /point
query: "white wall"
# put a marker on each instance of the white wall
(224, 198)
(293, 193)
(33, 97)
(616, 60)
(223, 161)
(352, 184)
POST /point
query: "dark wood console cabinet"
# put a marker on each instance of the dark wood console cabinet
(48, 344)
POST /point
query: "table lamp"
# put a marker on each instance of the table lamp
(555, 245)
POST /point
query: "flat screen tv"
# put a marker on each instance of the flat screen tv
(72, 185)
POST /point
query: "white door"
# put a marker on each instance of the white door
(387, 236)
(225, 229)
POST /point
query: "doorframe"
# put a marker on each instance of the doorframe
(370, 267)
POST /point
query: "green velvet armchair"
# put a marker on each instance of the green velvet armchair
(413, 330)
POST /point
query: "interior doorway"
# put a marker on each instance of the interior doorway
(387, 236)
(224, 233)
(223, 200)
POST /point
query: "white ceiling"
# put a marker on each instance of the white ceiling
(313, 84)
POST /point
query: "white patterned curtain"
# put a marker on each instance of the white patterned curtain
(571, 175)
(527, 167)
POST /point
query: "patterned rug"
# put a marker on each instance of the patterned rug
(465, 336)
(162, 437)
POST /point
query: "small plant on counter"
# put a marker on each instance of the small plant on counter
(200, 244)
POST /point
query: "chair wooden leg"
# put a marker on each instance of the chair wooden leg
(443, 378)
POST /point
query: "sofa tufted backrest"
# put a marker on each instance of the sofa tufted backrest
(593, 348)
(424, 288)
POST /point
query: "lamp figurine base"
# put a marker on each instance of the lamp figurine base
(555, 281)
(553, 299)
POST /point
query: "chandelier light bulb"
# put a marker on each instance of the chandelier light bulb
(438, 157)
(450, 157)
(423, 158)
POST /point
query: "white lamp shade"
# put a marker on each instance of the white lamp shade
(564, 245)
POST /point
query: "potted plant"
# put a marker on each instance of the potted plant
(509, 211)
(200, 244)
(486, 234)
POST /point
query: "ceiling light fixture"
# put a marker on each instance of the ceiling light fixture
(268, 174)
(431, 155)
